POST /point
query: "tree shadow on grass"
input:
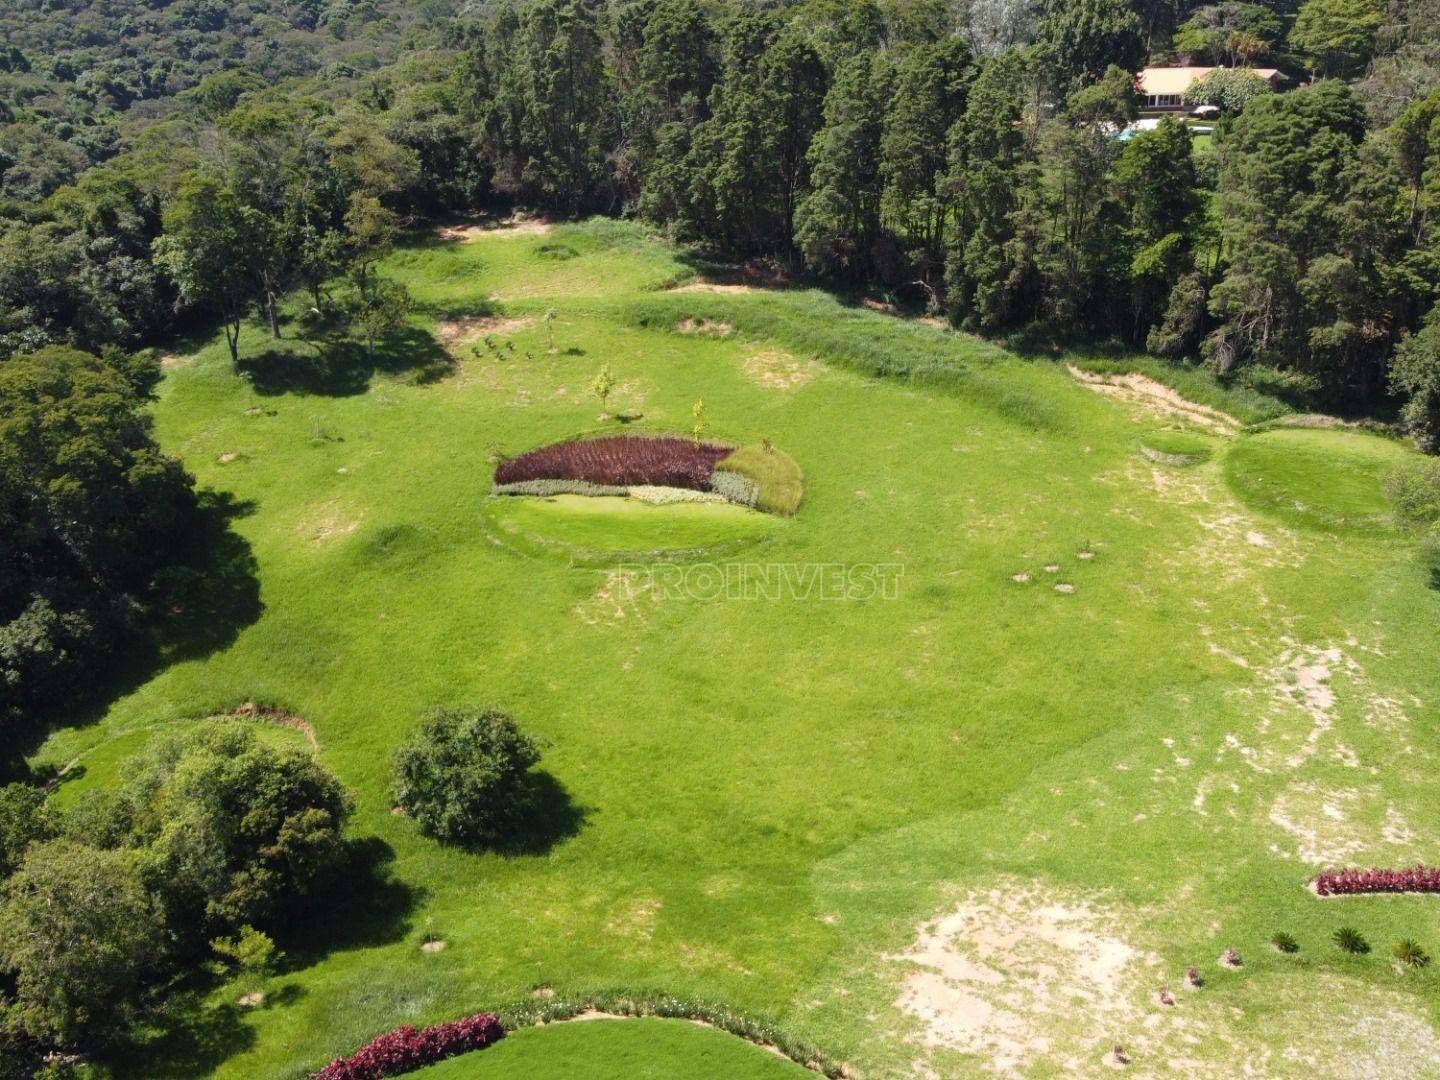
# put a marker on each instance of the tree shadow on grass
(199, 604)
(188, 1037)
(367, 906)
(543, 816)
(339, 367)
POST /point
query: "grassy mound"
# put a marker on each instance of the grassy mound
(1176, 447)
(604, 528)
(639, 1049)
(1315, 478)
(782, 485)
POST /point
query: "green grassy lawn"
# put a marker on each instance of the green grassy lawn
(1322, 479)
(585, 526)
(641, 1049)
(970, 828)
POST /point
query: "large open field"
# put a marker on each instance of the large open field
(970, 828)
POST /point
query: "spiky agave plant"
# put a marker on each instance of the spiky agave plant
(1410, 954)
(1284, 942)
(1350, 940)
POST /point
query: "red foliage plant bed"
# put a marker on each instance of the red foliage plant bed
(623, 460)
(407, 1049)
(1421, 879)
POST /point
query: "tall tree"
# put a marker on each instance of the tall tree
(216, 250)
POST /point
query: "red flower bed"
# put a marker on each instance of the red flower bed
(1422, 879)
(624, 460)
(407, 1049)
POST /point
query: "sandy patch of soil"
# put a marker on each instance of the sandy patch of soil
(713, 287)
(1156, 398)
(636, 921)
(326, 522)
(433, 947)
(1006, 971)
(517, 224)
(704, 326)
(778, 370)
(173, 362)
(457, 332)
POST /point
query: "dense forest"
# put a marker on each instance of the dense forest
(167, 167)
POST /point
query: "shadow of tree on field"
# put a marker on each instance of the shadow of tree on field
(198, 605)
(337, 366)
(187, 1037)
(366, 906)
(544, 815)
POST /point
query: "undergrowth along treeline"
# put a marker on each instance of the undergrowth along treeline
(892, 146)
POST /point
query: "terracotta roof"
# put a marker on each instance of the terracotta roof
(1176, 80)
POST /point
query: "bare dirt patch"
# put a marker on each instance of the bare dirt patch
(326, 522)
(1156, 398)
(457, 332)
(778, 370)
(713, 287)
(1005, 973)
(517, 224)
(715, 328)
(173, 362)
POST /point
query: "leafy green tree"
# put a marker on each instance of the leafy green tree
(214, 248)
(380, 311)
(927, 97)
(1086, 37)
(838, 223)
(1337, 35)
(556, 75)
(233, 831)
(1280, 178)
(462, 775)
(25, 819)
(1229, 88)
(1231, 34)
(991, 275)
(251, 953)
(89, 510)
(1156, 189)
(79, 934)
(1415, 373)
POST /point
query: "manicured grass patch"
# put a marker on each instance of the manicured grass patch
(645, 1048)
(1176, 447)
(582, 525)
(782, 485)
(1315, 478)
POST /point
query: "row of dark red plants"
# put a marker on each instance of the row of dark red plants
(1421, 879)
(407, 1049)
(622, 460)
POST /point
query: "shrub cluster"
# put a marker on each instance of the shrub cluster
(407, 1049)
(781, 483)
(734, 487)
(211, 830)
(547, 488)
(664, 496)
(622, 460)
(1424, 879)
